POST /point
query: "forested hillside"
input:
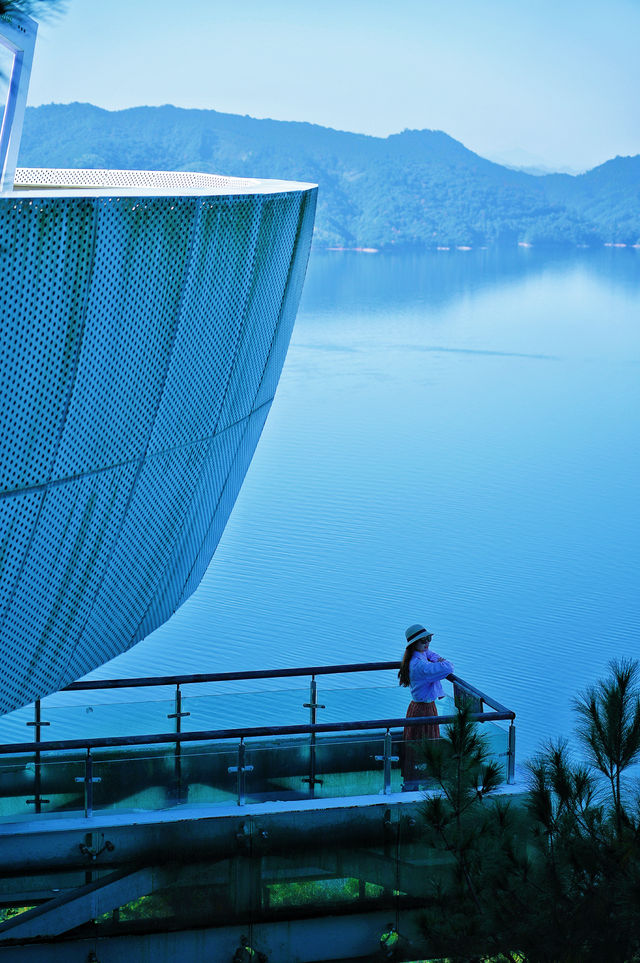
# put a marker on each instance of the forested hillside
(417, 188)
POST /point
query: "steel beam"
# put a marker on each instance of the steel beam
(85, 903)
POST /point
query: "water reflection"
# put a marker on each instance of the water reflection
(364, 282)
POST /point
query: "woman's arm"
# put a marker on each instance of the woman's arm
(433, 671)
(434, 657)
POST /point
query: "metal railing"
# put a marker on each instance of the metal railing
(178, 738)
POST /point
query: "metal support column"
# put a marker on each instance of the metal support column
(241, 768)
(387, 759)
(313, 705)
(88, 779)
(511, 756)
(37, 775)
(178, 715)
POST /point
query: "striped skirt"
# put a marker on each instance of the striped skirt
(413, 736)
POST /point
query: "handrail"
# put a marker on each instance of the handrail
(196, 679)
(211, 735)
(201, 677)
(228, 676)
(471, 689)
(500, 712)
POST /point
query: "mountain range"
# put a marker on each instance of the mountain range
(418, 188)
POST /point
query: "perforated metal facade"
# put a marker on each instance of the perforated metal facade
(143, 335)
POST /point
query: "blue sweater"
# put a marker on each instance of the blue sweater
(425, 672)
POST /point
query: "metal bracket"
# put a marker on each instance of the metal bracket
(313, 781)
(92, 848)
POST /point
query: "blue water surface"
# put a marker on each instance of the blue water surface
(454, 441)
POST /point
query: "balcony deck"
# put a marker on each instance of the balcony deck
(177, 843)
(187, 744)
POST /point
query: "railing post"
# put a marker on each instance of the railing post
(511, 756)
(178, 715)
(241, 768)
(88, 784)
(88, 779)
(312, 705)
(387, 759)
(37, 758)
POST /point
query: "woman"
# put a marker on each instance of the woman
(423, 671)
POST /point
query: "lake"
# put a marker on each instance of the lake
(454, 441)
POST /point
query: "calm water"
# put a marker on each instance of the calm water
(454, 441)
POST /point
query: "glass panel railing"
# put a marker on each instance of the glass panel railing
(234, 710)
(100, 719)
(332, 766)
(496, 736)
(28, 788)
(106, 713)
(208, 773)
(103, 714)
(340, 704)
(273, 767)
(353, 765)
(134, 781)
(414, 769)
(279, 770)
(290, 706)
(286, 768)
(160, 778)
(17, 788)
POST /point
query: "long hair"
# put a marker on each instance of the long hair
(403, 671)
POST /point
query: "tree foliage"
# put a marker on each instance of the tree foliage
(609, 727)
(558, 879)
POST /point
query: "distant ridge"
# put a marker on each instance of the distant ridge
(416, 188)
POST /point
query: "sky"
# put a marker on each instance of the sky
(549, 83)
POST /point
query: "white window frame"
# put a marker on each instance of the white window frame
(18, 34)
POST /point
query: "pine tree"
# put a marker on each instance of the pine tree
(474, 837)
(556, 880)
(609, 727)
